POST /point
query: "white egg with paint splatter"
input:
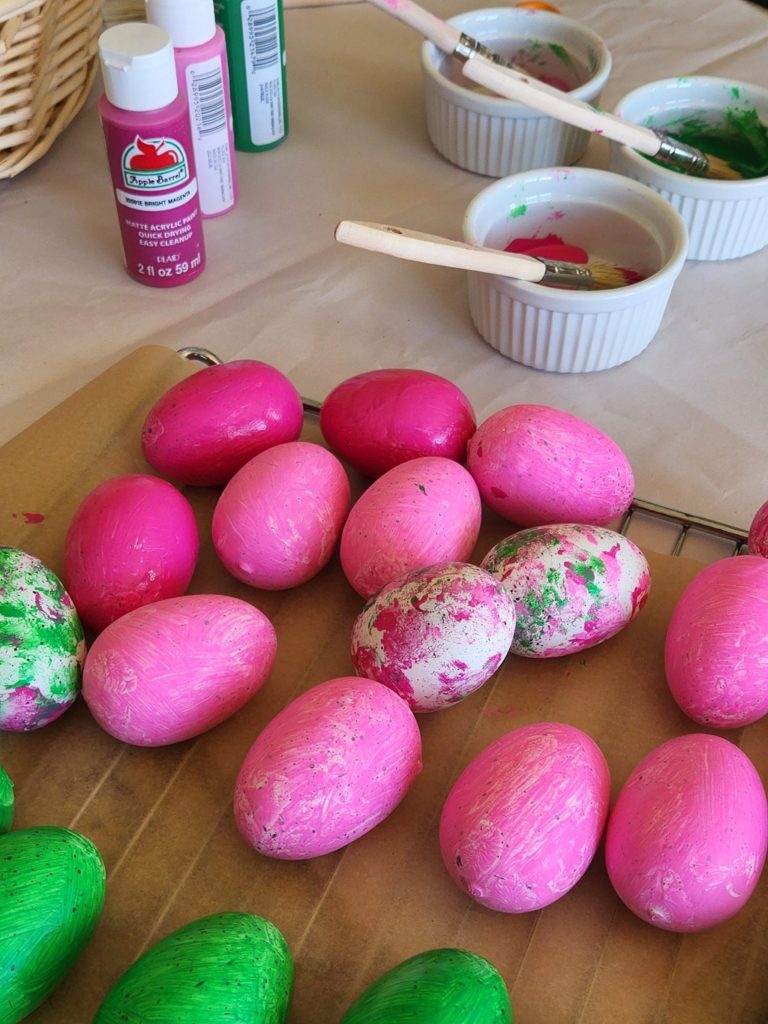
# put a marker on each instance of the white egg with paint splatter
(436, 634)
(573, 585)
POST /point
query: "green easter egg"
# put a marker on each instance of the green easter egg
(42, 647)
(439, 986)
(7, 802)
(52, 885)
(230, 967)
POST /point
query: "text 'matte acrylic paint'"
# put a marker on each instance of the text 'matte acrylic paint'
(203, 74)
(151, 160)
(256, 51)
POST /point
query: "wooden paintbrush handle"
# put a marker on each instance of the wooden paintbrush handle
(443, 252)
(446, 37)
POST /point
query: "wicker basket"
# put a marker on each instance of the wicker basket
(48, 59)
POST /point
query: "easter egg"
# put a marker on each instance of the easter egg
(434, 635)
(377, 420)
(327, 769)
(173, 669)
(207, 426)
(536, 465)
(132, 540)
(757, 536)
(686, 838)
(42, 647)
(438, 986)
(573, 586)
(419, 513)
(229, 966)
(538, 5)
(52, 887)
(716, 645)
(278, 520)
(522, 822)
(7, 801)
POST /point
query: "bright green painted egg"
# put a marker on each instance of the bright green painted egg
(42, 647)
(229, 968)
(52, 885)
(440, 986)
(7, 802)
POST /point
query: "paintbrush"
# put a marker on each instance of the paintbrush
(444, 252)
(501, 76)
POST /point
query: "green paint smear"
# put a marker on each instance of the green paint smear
(587, 571)
(439, 986)
(7, 801)
(562, 55)
(741, 140)
(232, 967)
(518, 211)
(52, 886)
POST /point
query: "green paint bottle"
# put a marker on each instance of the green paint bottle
(256, 56)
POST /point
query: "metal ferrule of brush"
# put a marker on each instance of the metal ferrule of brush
(680, 156)
(467, 47)
(566, 275)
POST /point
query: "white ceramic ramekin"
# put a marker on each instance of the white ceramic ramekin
(495, 136)
(725, 219)
(618, 221)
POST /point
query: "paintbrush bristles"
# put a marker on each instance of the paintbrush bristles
(720, 170)
(605, 275)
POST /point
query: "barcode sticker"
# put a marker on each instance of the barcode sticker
(264, 55)
(208, 116)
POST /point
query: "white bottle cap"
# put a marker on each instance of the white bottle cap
(187, 22)
(138, 66)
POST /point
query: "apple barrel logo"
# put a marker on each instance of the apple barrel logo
(150, 164)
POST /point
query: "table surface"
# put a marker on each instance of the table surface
(689, 412)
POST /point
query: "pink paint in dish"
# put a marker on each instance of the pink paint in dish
(553, 247)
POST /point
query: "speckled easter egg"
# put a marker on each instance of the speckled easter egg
(522, 822)
(7, 800)
(435, 635)
(327, 769)
(52, 886)
(419, 513)
(438, 986)
(377, 420)
(226, 967)
(132, 540)
(277, 522)
(716, 647)
(173, 669)
(536, 465)
(41, 647)
(206, 427)
(686, 838)
(573, 586)
(757, 536)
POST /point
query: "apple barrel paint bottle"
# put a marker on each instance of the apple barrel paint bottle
(201, 66)
(149, 149)
(256, 50)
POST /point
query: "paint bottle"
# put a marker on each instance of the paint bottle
(201, 66)
(256, 51)
(149, 148)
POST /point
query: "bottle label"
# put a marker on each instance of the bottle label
(264, 57)
(206, 90)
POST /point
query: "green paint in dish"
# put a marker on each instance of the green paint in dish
(439, 986)
(7, 802)
(229, 968)
(52, 887)
(741, 139)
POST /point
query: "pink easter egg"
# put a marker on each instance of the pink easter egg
(686, 838)
(535, 465)
(174, 669)
(757, 537)
(435, 635)
(377, 420)
(421, 512)
(277, 521)
(716, 646)
(522, 822)
(133, 540)
(203, 429)
(327, 769)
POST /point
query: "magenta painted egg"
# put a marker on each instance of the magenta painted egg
(133, 540)
(174, 669)
(686, 839)
(435, 635)
(523, 821)
(757, 537)
(203, 429)
(419, 513)
(716, 647)
(327, 769)
(377, 420)
(536, 465)
(573, 586)
(277, 521)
